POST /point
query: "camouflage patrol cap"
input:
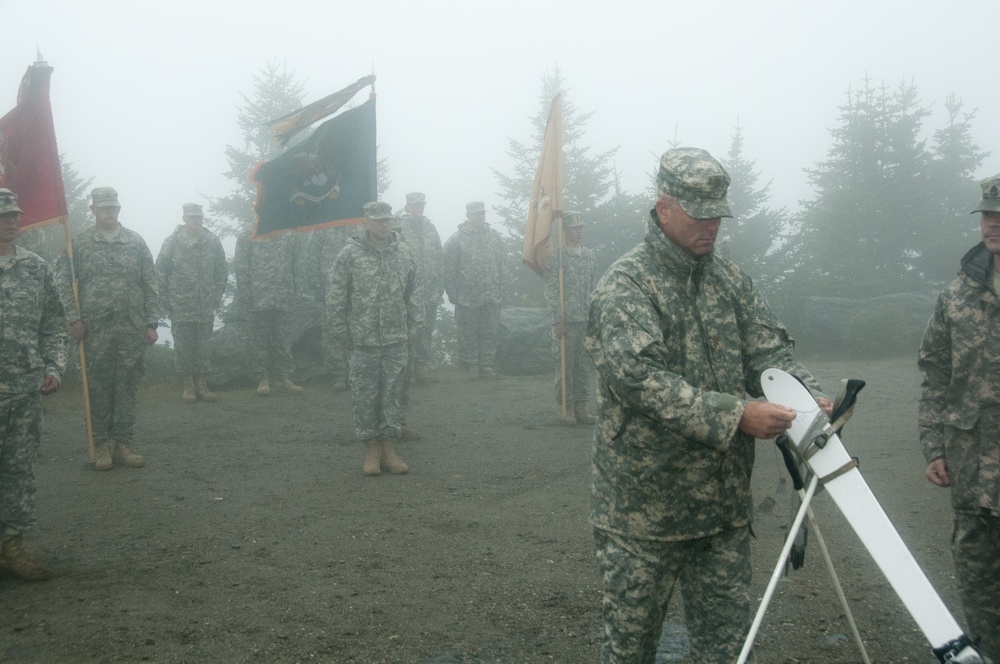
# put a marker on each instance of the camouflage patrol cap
(8, 202)
(379, 211)
(104, 197)
(415, 197)
(696, 180)
(475, 206)
(572, 219)
(991, 195)
(193, 210)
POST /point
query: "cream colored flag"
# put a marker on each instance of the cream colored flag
(546, 193)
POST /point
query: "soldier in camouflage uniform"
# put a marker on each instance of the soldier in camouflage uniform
(32, 360)
(472, 271)
(373, 305)
(321, 252)
(569, 316)
(193, 273)
(680, 337)
(267, 279)
(960, 419)
(419, 233)
(118, 315)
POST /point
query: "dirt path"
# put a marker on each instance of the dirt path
(251, 536)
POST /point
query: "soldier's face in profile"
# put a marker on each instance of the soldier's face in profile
(574, 235)
(990, 225)
(9, 226)
(695, 236)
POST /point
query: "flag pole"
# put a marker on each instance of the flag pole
(83, 352)
(562, 319)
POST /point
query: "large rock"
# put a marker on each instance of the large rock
(525, 341)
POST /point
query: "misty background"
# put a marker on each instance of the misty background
(855, 132)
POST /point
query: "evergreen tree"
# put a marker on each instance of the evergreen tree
(752, 236)
(876, 206)
(277, 92)
(48, 241)
(956, 158)
(587, 185)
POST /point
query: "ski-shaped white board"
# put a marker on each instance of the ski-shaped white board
(862, 510)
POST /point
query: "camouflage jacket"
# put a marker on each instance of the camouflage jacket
(373, 296)
(33, 337)
(268, 271)
(116, 281)
(321, 252)
(422, 237)
(959, 361)
(579, 279)
(472, 266)
(193, 276)
(679, 344)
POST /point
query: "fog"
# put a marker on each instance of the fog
(145, 96)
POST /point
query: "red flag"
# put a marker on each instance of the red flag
(546, 193)
(29, 159)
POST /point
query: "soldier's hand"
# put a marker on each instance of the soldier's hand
(559, 329)
(77, 330)
(151, 336)
(762, 419)
(937, 473)
(49, 384)
(825, 405)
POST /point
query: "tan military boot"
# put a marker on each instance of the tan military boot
(15, 559)
(127, 457)
(291, 387)
(582, 415)
(201, 389)
(102, 457)
(187, 395)
(391, 461)
(408, 434)
(263, 388)
(373, 457)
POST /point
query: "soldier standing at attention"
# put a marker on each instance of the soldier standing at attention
(267, 282)
(680, 337)
(32, 359)
(117, 319)
(422, 237)
(373, 308)
(960, 419)
(472, 270)
(569, 318)
(192, 270)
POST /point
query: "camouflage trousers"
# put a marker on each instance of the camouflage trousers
(639, 576)
(115, 365)
(192, 347)
(477, 335)
(271, 332)
(579, 367)
(422, 344)
(975, 545)
(376, 384)
(335, 358)
(20, 435)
